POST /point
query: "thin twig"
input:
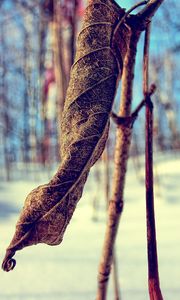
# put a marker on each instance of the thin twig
(150, 9)
(126, 14)
(123, 140)
(117, 295)
(153, 274)
(121, 156)
(129, 121)
(146, 61)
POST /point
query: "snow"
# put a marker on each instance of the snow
(69, 271)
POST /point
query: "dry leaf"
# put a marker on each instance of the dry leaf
(93, 81)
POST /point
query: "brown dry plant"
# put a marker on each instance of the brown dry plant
(85, 124)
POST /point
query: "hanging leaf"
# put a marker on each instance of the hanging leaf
(85, 123)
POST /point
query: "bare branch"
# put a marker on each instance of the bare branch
(126, 14)
(146, 61)
(150, 9)
(153, 274)
(129, 121)
(123, 139)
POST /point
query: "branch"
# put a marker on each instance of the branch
(146, 61)
(129, 121)
(123, 139)
(153, 274)
(150, 9)
(126, 15)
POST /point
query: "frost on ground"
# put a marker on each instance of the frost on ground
(69, 271)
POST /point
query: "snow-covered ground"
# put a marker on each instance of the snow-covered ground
(69, 271)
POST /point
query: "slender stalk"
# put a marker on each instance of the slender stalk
(107, 192)
(150, 9)
(146, 61)
(115, 277)
(123, 139)
(153, 274)
(126, 15)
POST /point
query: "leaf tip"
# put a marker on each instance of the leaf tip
(9, 263)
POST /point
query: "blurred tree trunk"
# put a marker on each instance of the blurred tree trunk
(73, 31)
(168, 101)
(5, 110)
(59, 68)
(26, 104)
(43, 28)
(63, 52)
(61, 26)
(59, 58)
(162, 67)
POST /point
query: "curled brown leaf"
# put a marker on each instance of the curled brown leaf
(85, 123)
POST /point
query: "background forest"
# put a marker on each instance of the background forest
(37, 49)
(38, 41)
